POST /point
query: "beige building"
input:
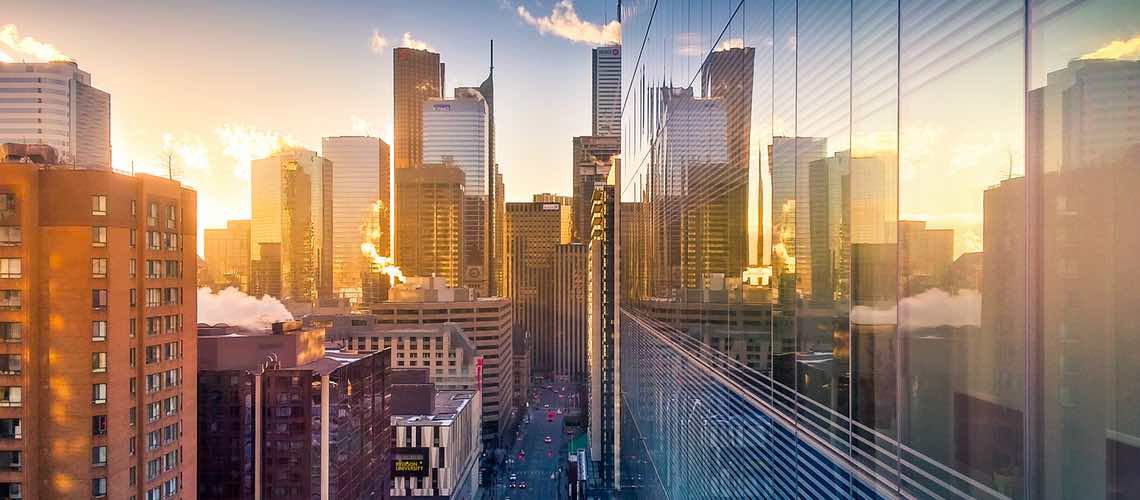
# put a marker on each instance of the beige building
(97, 335)
(534, 232)
(361, 176)
(227, 256)
(429, 221)
(486, 322)
(417, 75)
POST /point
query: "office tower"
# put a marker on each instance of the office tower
(429, 221)
(789, 162)
(455, 132)
(53, 103)
(591, 166)
(568, 222)
(227, 255)
(292, 208)
(361, 177)
(606, 91)
(417, 75)
(441, 349)
(533, 235)
(829, 195)
(486, 322)
(496, 192)
(436, 451)
(97, 302)
(570, 310)
(284, 418)
(925, 256)
(499, 238)
(604, 341)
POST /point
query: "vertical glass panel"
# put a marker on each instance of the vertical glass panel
(782, 165)
(1083, 136)
(961, 252)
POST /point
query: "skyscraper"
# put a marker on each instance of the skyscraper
(455, 132)
(417, 76)
(570, 310)
(604, 340)
(54, 103)
(97, 350)
(533, 236)
(429, 221)
(607, 91)
(591, 166)
(361, 177)
(292, 208)
(227, 254)
(789, 161)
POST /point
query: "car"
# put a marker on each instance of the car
(560, 411)
(546, 406)
(522, 485)
(512, 485)
(546, 440)
(514, 477)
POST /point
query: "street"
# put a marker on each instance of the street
(532, 461)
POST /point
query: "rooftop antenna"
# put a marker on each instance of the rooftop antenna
(132, 167)
(170, 165)
(492, 57)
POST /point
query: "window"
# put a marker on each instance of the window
(134, 208)
(11, 396)
(11, 299)
(132, 419)
(171, 241)
(134, 237)
(153, 412)
(98, 236)
(171, 296)
(153, 297)
(152, 214)
(99, 298)
(10, 364)
(99, 267)
(10, 268)
(7, 204)
(11, 428)
(133, 329)
(132, 354)
(99, 425)
(99, 487)
(134, 297)
(98, 394)
(174, 269)
(98, 362)
(134, 383)
(170, 405)
(171, 350)
(153, 269)
(98, 204)
(10, 460)
(153, 382)
(11, 331)
(132, 269)
(153, 354)
(10, 236)
(99, 456)
(99, 331)
(153, 325)
(171, 216)
(154, 240)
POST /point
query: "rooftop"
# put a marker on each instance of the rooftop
(448, 405)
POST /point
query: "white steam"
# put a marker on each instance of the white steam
(232, 307)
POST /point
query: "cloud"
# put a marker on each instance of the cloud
(930, 309)
(232, 307)
(188, 153)
(377, 43)
(360, 126)
(33, 49)
(731, 43)
(564, 22)
(1117, 49)
(412, 43)
(5, 57)
(245, 144)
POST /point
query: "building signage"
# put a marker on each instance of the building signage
(551, 206)
(410, 462)
(441, 107)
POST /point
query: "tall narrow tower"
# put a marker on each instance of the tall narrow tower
(417, 76)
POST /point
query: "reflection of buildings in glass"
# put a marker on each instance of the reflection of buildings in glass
(227, 255)
(925, 256)
(360, 177)
(429, 221)
(292, 207)
(789, 160)
(417, 75)
(829, 202)
(591, 166)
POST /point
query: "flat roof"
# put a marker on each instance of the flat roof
(330, 362)
(448, 404)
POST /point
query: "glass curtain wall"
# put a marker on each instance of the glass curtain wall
(876, 248)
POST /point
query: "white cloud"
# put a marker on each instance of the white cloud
(33, 49)
(564, 22)
(412, 43)
(245, 144)
(731, 43)
(1117, 49)
(360, 126)
(930, 309)
(377, 43)
(232, 307)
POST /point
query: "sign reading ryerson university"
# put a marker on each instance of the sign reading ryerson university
(410, 462)
(551, 206)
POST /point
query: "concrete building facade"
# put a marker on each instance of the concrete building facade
(54, 103)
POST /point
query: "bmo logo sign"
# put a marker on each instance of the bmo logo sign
(616, 51)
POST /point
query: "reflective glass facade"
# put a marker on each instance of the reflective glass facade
(880, 248)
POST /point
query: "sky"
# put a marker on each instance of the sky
(213, 84)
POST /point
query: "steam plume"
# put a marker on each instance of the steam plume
(372, 237)
(34, 49)
(232, 307)
(1117, 49)
(412, 43)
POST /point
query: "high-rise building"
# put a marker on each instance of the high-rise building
(292, 208)
(455, 133)
(417, 75)
(54, 103)
(496, 192)
(97, 303)
(533, 236)
(284, 418)
(606, 91)
(591, 166)
(789, 162)
(603, 340)
(227, 255)
(486, 322)
(361, 177)
(429, 221)
(570, 310)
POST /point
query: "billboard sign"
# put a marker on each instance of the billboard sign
(409, 462)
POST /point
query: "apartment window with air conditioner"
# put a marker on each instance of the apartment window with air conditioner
(98, 362)
(152, 214)
(99, 267)
(98, 236)
(99, 331)
(98, 204)
(10, 460)
(11, 299)
(99, 425)
(10, 236)
(10, 364)
(11, 428)
(11, 396)
(10, 268)
(98, 394)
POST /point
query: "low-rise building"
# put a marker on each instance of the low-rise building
(437, 449)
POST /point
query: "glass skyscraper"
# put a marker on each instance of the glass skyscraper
(940, 264)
